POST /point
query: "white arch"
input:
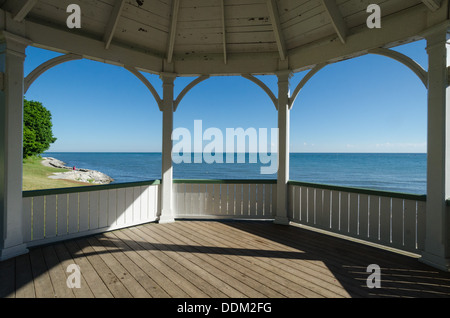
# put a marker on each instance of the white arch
(303, 82)
(264, 87)
(41, 69)
(146, 82)
(405, 60)
(191, 85)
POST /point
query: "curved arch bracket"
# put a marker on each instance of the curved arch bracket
(146, 82)
(191, 85)
(263, 86)
(41, 69)
(407, 61)
(303, 82)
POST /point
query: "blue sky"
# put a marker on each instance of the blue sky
(367, 104)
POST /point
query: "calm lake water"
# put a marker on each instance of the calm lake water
(390, 172)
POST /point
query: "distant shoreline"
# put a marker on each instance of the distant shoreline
(76, 174)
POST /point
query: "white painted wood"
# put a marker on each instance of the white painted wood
(363, 216)
(23, 10)
(147, 83)
(433, 5)
(73, 213)
(336, 19)
(385, 220)
(113, 21)
(94, 210)
(217, 203)
(374, 218)
(38, 218)
(173, 30)
(410, 225)
(277, 30)
(261, 84)
(437, 243)
(230, 199)
(209, 197)
(224, 32)
(27, 219)
(252, 200)
(259, 199)
(62, 203)
(354, 214)
(129, 205)
(83, 212)
(50, 216)
(397, 223)
(238, 199)
(167, 168)
(245, 199)
(12, 56)
(201, 199)
(283, 147)
(335, 211)
(112, 207)
(103, 209)
(188, 208)
(405, 60)
(41, 69)
(304, 204)
(344, 213)
(179, 198)
(421, 228)
(190, 86)
(121, 206)
(326, 209)
(303, 82)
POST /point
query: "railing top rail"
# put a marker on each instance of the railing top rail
(408, 196)
(226, 181)
(37, 193)
(399, 195)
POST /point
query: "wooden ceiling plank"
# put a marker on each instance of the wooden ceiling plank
(336, 18)
(276, 24)
(113, 21)
(433, 5)
(23, 11)
(173, 30)
(224, 33)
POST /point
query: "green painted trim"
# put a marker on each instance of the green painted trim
(37, 193)
(226, 181)
(399, 195)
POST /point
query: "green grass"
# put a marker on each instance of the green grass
(36, 176)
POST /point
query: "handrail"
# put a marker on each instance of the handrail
(400, 195)
(37, 193)
(226, 181)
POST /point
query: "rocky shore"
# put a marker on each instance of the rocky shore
(76, 174)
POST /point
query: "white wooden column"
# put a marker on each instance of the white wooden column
(12, 57)
(438, 170)
(167, 214)
(283, 147)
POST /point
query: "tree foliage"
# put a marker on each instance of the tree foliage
(37, 129)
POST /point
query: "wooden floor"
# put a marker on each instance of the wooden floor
(203, 259)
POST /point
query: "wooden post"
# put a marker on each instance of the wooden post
(283, 147)
(437, 245)
(12, 57)
(167, 167)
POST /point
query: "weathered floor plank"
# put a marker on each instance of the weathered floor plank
(216, 259)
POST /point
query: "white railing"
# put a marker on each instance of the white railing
(53, 215)
(251, 199)
(390, 219)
